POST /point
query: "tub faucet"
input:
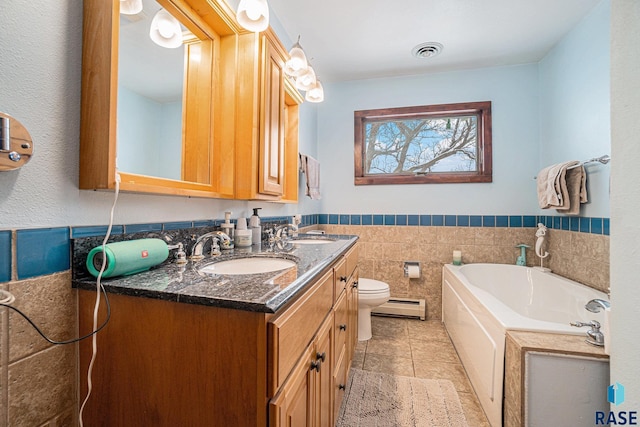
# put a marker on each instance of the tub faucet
(594, 336)
(522, 259)
(595, 305)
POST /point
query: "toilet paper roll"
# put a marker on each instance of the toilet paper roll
(413, 271)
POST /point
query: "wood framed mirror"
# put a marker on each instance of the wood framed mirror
(163, 118)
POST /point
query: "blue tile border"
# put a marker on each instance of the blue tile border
(177, 225)
(567, 223)
(42, 251)
(139, 228)
(5, 256)
(47, 250)
(450, 220)
(95, 231)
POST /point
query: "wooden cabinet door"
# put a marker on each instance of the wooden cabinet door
(324, 375)
(271, 176)
(293, 406)
(352, 309)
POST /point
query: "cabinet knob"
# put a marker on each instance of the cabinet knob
(343, 327)
(355, 284)
(315, 365)
(343, 278)
(342, 387)
(321, 356)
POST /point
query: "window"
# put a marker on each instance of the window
(427, 144)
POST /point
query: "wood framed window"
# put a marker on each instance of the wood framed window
(426, 144)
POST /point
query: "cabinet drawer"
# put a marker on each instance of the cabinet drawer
(291, 332)
(341, 277)
(341, 326)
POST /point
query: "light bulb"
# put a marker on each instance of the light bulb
(316, 93)
(306, 80)
(297, 63)
(130, 7)
(165, 30)
(253, 15)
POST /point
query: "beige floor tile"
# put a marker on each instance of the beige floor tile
(472, 411)
(389, 327)
(433, 351)
(444, 371)
(429, 330)
(389, 346)
(361, 346)
(389, 364)
(358, 360)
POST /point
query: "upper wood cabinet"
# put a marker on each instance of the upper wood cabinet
(198, 160)
(266, 123)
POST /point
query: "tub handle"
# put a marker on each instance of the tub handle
(594, 336)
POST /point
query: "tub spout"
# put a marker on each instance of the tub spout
(595, 305)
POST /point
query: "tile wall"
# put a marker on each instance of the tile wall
(38, 385)
(578, 247)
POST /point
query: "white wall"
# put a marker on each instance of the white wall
(40, 76)
(574, 104)
(625, 198)
(513, 92)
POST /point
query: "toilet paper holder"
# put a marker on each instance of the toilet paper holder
(410, 265)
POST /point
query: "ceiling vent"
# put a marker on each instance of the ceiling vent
(427, 50)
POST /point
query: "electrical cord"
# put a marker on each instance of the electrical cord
(71, 341)
(99, 287)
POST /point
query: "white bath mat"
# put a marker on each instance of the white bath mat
(373, 399)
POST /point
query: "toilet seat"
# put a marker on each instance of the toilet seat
(371, 286)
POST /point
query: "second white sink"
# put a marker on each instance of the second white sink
(254, 265)
(311, 241)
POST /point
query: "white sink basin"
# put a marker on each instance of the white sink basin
(311, 241)
(248, 266)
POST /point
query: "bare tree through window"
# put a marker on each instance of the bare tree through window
(438, 143)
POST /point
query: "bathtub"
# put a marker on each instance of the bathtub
(480, 302)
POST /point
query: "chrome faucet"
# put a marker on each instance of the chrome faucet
(216, 238)
(284, 227)
(594, 336)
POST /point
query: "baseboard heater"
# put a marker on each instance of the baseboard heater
(402, 307)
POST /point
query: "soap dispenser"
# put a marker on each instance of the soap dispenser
(229, 229)
(256, 228)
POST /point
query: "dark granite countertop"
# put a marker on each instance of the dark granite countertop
(264, 292)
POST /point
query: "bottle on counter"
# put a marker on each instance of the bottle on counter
(255, 227)
(228, 228)
(243, 236)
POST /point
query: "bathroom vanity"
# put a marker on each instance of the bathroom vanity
(189, 348)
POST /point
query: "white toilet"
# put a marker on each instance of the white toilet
(371, 294)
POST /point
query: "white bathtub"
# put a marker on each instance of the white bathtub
(480, 302)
